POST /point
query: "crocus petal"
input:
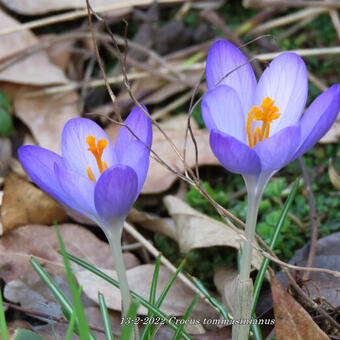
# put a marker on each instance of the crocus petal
(115, 193)
(137, 156)
(140, 124)
(222, 111)
(39, 165)
(318, 118)
(284, 81)
(222, 59)
(75, 149)
(79, 190)
(234, 155)
(278, 150)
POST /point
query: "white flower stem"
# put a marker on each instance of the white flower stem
(114, 237)
(244, 289)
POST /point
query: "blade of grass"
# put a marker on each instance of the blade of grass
(148, 328)
(128, 326)
(144, 302)
(3, 325)
(84, 329)
(65, 303)
(70, 327)
(147, 332)
(211, 299)
(178, 333)
(262, 272)
(106, 318)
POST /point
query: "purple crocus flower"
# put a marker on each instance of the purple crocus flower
(93, 177)
(257, 127)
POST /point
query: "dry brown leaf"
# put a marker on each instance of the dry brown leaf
(196, 230)
(226, 280)
(176, 302)
(333, 135)
(5, 154)
(164, 226)
(159, 178)
(291, 320)
(47, 115)
(23, 203)
(17, 247)
(36, 69)
(36, 7)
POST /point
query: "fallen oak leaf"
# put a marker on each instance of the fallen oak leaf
(291, 320)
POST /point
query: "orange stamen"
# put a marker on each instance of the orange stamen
(97, 151)
(267, 113)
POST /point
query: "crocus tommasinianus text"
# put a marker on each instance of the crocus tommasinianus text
(93, 177)
(258, 127)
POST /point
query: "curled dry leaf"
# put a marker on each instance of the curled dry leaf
(17, 247)
(35, 69)
(160, 178)
(46, 115)
(291, 320)
(23, 203)
(196, 230)
(176, 302)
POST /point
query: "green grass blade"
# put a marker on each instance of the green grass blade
(261, 274)
(127, 328)
(211, 299)
(178, 333)
(71, 327)
(148, 328)
(106, 318)
(147, 332)
(65, 303)
(83, 326)
(140, 299)
(3, 325)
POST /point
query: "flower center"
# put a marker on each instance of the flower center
(97, 151)
(267, 113)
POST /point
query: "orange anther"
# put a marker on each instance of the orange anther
(267, 113)
(97, 151)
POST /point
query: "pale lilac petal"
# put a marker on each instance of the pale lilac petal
(223, 58)
(115, 193)
(318, 118)
(140, 124)
(234, 155)
(285, 81)
(278, 150)
(137, 156)
(75, 149)
(222, 111)
(39, 165)
(79, 190)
